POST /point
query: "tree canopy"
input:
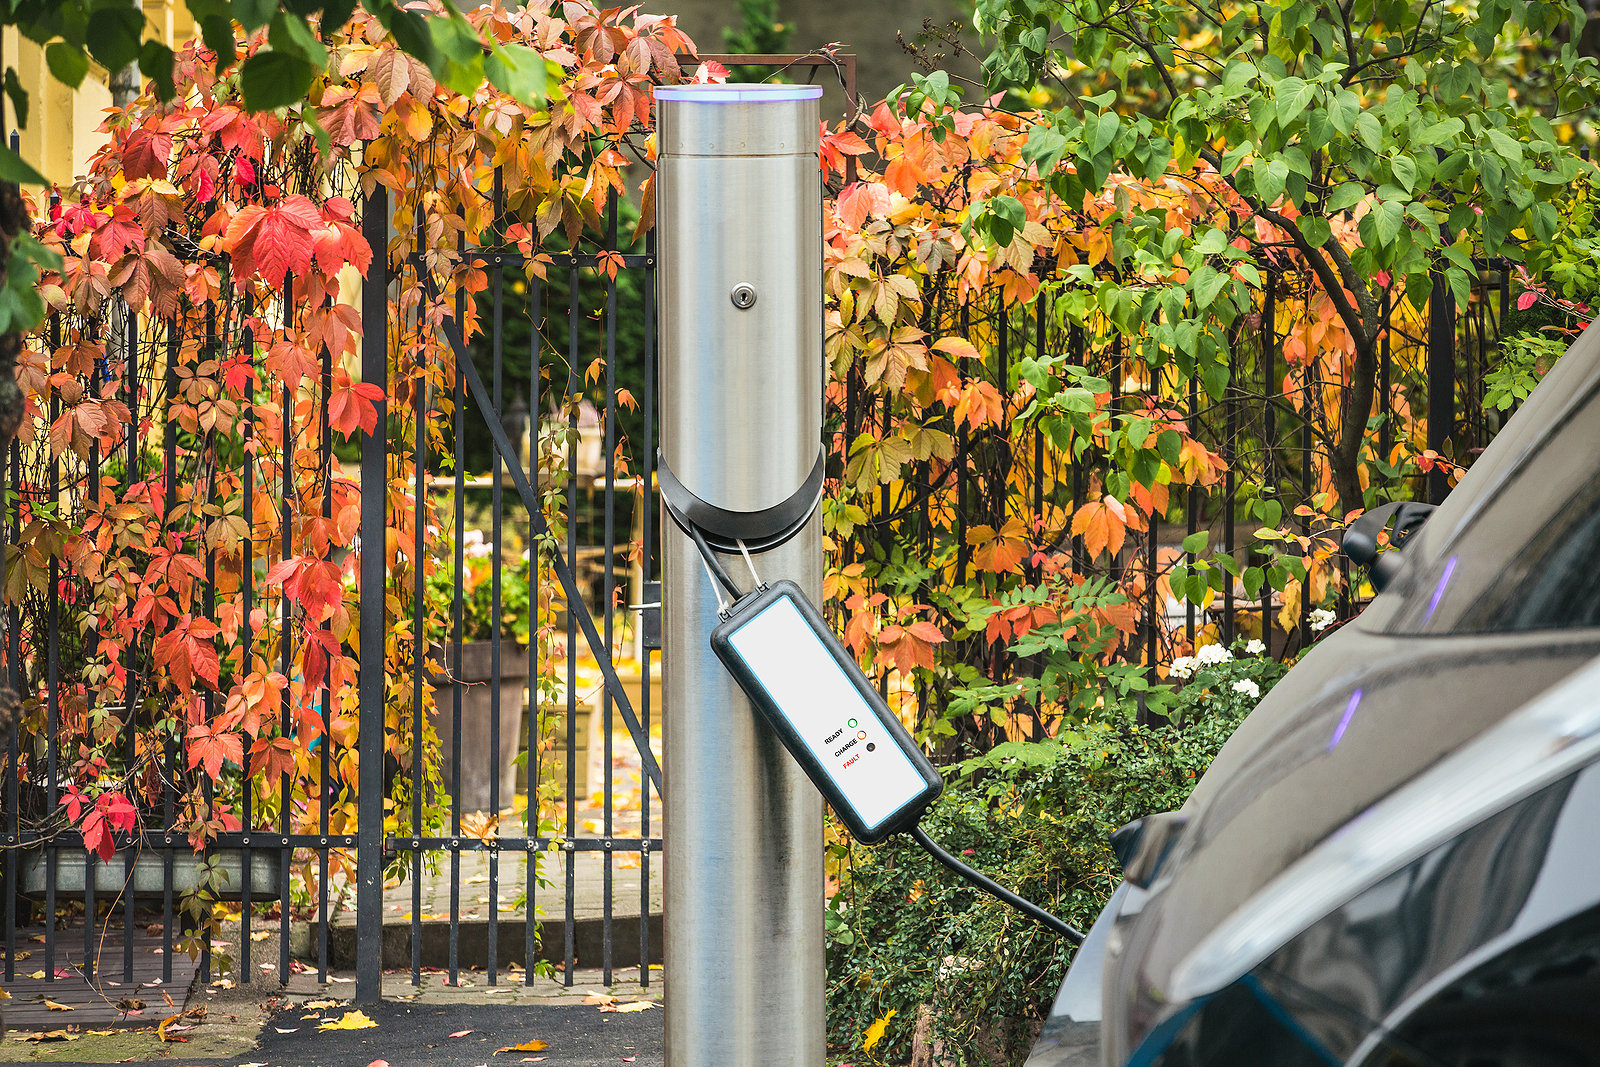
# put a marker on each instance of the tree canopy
(1372, 143)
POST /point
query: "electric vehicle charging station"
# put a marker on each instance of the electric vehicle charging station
(739, 224)
(759, 692)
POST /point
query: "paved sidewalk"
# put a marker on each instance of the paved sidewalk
(434, 1026)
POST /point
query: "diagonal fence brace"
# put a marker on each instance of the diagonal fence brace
(530, 500)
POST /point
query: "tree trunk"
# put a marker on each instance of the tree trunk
(1344, 459)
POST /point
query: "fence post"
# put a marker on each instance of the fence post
(739, 213)
(1441, 379)
(370, 680)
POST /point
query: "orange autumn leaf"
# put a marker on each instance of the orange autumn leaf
(1000, 552)
(1103, 525)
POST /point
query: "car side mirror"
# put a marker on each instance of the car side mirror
(1360, 543)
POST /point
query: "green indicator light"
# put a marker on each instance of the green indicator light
(851, 724)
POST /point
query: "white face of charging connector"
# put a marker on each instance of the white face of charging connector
(807, 686)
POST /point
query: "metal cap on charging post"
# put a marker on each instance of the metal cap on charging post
(739, 223)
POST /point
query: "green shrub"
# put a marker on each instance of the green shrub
(903, 932)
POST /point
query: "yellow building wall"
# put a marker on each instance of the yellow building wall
(63, 124)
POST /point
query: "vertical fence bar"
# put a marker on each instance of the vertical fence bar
(371, 691)
(608, 587)
(647, 458)
(1269, 440)
(570, 934)
(246, 643)
(496, 503)
(1441, 373)
(285, 637)
(530, 929)
(14, 680)
(458, 613)
(422, 400)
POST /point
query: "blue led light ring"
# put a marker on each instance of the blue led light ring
(736, 94)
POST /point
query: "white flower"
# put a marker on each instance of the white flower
(1182, 667)
(1254, 648)
(1321, 619)
(1211, 655)
(1247, 687)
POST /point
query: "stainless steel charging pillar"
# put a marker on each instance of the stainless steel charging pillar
(739, 223)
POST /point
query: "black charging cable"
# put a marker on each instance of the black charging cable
(994, 888)
(720, 576)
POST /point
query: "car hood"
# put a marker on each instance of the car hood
(1362, 713)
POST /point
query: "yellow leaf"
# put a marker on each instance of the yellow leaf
(261, 935)
(526, 1046)
(36, 974)
(638, 1005)
(53, 1006)
(355, 1020)
(874, 1032)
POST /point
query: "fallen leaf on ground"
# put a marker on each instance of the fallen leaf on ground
(461, 1033)
(165, 1031)
(599, 998)
(36, 974)
(874, 1032)
(130, 1004)
(4, 995)
(260, 935)
(378, 1063)
(526, 1046)
(48, 1035)
(327, 1003)
(633, 1006)
(290, 1030)
(53, 1006)
(629, 1059)
(355, 1020)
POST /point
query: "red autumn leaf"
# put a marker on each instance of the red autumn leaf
(350, 113)
(146, 154)
(272, 241)
(340, 243)
(273, 757)
(352, 405)
(117, 234)
(213, 749)
(320, 646)
(235, 129)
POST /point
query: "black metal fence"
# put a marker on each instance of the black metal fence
(385, 817)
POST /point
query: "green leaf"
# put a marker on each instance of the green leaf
(1345, 196)
(1404, 169)
(1316, 230)
(114, 35)
(1387, 219)
(1293, 95)
(13, 169)
(274, 79)
(1369, 131)
(1253, 577)
(18, 96)
(518, 70)
(1196, 542)
(462, 53)
(291, 34)
(254, 14)
(1169, 443)
(1212, 243)
(1206, 283)
(155, 63)
(217, 32)
(67, 63)
(1504, 146)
